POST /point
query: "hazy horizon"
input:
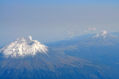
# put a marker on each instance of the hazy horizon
(56, 20)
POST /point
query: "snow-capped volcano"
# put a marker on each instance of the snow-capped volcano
(24, 47)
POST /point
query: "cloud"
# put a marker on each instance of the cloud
(92, 29)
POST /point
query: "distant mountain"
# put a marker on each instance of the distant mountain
(101, 49)
(29, 59)
(104, 36)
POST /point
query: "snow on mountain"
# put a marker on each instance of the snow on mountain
(24, 47)
(106, 35)
(103, 34)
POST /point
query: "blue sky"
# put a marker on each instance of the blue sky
(60, 1)
(52, 20)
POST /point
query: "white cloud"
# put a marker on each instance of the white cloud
(92, 29)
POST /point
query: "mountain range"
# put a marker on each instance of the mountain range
(91, 56)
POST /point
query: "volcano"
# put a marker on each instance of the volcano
(26, 58)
